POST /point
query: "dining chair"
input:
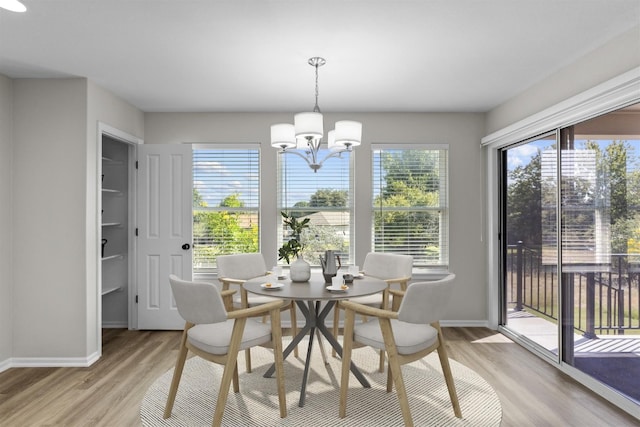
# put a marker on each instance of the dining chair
(395, 269)
(236, 269)
(216, 335)
(407, 335)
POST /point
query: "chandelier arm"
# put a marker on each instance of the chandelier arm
(334, 154)
(297, 153)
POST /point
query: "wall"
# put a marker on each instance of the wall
(55, 250)
(6, 265)
(461, 131)
(106, 108)
(612, 59)
(48, 218)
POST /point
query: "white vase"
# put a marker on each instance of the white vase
(300, 270)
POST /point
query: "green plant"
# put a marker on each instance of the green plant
(293, 247)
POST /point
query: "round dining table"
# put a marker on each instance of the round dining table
(309, 297)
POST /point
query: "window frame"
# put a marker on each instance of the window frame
(349, 209)
(253, 181)
(443, 207)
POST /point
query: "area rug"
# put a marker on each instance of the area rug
(257, 402)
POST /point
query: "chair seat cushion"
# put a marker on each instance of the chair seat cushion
(374, 300)
(410, 337)
(215, 337)
(252, 299)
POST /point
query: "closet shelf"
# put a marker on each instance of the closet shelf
(110, 289)
(111, 224)
(109, 160)
(107, 258)
(111, 190)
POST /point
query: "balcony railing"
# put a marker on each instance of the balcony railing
(605, 301)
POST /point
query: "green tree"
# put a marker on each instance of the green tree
(411, 180)
(524, 203)
(217, 232)
(328, 198)
(612, 193)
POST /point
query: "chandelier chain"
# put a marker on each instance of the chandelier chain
(316, 108)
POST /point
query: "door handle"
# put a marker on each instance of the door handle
(186, 246)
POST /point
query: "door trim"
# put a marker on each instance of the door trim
(117, 134)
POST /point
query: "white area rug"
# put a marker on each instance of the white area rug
(257, 402)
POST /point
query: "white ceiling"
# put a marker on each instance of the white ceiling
(251, 55)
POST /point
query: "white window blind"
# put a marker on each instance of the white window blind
(225, 202)
(410, 202)
(325, 197)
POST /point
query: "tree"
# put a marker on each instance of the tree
(328, 198)
(217, 232)
(524, 203)
(411, 184)
(612, 190)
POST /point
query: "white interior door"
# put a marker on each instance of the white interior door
(164, 231)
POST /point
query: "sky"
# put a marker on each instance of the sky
(226, 173)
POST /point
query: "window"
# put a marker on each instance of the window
(225, 202)
(410, 202)
(325, 197)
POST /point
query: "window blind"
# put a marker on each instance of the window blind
(325, 197)
(225, 202)
(410, 202)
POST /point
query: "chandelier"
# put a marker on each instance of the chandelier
(304, 137)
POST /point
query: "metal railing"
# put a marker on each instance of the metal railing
(605, 301)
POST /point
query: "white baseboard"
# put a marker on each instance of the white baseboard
(51, 362)
(5, 364)
(115, 325)
(443, 323)
(39, 362)
(465, 323)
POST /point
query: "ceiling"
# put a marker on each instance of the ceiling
(251, 55)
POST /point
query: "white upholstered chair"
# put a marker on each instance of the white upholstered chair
(217, 335)
(407, 335)
(395, 269)
(238, 268)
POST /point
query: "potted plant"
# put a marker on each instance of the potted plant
(299, 270)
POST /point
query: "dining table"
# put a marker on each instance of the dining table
(309, 296)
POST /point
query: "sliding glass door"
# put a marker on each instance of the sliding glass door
(571, 252)
(530, 279)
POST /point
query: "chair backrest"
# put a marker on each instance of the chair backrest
(241, 266)
(387, 266)
(426, 302)
(198, 302)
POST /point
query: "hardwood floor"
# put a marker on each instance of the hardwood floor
(109, 393)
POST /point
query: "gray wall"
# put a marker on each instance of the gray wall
(48, 219)
(461, 131)
(53, 156)
(6, 215)
(610, 60)
(106, 108)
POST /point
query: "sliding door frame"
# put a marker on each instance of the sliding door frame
(611, 95)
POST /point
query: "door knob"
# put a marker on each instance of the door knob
(186, 246)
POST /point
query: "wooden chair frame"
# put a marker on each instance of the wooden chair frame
(229, 360)
(394, 373)
(244, 304)
(402, 281)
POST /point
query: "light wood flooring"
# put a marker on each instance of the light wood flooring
(532, 392)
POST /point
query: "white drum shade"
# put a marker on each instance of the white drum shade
(283, 135)
(308, 125)
(348, 133)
